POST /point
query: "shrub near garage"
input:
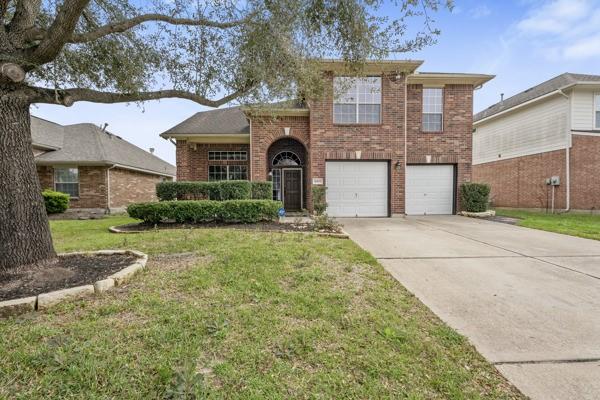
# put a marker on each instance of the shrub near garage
(201, 211)
(474, 197)
(55, 202)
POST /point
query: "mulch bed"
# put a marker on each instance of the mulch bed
(69, 271)
(262, 226)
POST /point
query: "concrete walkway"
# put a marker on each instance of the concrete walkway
(528, 300)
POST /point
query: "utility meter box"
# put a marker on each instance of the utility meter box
(555, 181)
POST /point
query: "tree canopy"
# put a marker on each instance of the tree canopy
(208, 51)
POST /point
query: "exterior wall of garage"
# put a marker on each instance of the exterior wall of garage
(521, 182)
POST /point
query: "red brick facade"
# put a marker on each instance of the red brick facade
(192, 159)
(324, 140)
(126, 186)
(521, 182)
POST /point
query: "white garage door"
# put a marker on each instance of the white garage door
(357, 188)
(429, 189)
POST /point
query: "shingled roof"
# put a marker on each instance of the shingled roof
(87, 144)
(560, 82)
(225, 121)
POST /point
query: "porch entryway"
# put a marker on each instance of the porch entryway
(287, 160)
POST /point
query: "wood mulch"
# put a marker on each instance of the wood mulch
(69, 271)
(262, 226)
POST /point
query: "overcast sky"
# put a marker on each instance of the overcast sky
(522, 42)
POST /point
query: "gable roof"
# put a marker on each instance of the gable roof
(227, 121)
(87, 144)
(559, 82)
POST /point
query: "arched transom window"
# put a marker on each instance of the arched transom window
(286, 159)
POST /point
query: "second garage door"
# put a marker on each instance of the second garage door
(429, 189)
(357, 188)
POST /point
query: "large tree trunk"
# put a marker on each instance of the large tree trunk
(24, 230)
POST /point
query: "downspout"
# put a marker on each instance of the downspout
(108, 187)
(405, 134)
(568, 154)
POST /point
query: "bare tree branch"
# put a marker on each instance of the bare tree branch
(126, 25)
(69, 96)
(60, 31)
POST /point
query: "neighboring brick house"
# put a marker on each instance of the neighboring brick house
(97, 169)
(550, 130)
(394, 141)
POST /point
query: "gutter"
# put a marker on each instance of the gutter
(405, 135)
(568, 153)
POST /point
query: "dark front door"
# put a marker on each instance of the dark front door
(292, 189)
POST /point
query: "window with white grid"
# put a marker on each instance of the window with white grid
(433, 109)
(66, 180)
(357, 100)
(227, 172)
(227, 155)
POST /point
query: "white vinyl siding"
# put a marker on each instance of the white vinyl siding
(582, 112)
(535, 129)
(597, 111)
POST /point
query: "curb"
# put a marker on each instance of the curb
(43, 301)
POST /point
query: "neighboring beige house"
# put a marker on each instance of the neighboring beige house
(550, 130)
(99, 170)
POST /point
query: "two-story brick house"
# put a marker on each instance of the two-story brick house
(549, 130)
(392, 142)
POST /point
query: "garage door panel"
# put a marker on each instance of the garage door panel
(429, 189)
(357, 188)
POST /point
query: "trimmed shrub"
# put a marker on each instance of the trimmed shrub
(262, 190)
(199, 211)
(234, 190)
(183, 190)
(218, 190)
(319, 199)
(474, 197)
(55, 202)
(250, 211)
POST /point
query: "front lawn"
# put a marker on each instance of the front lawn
(582, 225)
(240, 315)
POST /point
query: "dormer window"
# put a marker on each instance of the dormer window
(433, 109)
(357, 100)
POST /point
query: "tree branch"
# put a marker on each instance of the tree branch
(119, 27)
(26, 12)
(67, 97)
(60, 31)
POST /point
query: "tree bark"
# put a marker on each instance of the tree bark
(24, 230)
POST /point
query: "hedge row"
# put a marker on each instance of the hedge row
(200, 211)
(55, 202)
(474, 197)
(218, 190)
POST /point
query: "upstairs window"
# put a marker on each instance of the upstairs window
(357, 100)
(66, 180)
(597, 111)
(433, 109)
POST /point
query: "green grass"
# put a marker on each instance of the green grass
(582, 225)
(229, 314)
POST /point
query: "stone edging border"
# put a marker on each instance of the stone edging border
(341, 235)
(43, 301)
(484, 214)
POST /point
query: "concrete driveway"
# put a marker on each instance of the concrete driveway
(528, 300)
